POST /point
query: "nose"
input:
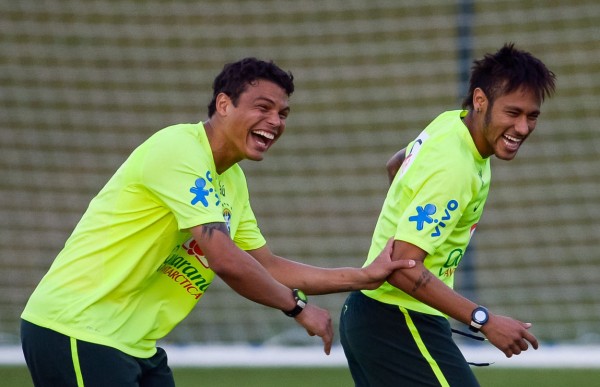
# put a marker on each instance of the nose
(274, 120)
(522, 126)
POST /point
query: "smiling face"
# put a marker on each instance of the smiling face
(252, 126)
(506, 124)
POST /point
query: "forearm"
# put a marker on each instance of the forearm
(252, 281)
(239, 270)
(317, 280)
(421, 284)
(311, 279)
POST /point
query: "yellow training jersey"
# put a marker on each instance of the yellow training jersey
(434, 202)
(130, 271)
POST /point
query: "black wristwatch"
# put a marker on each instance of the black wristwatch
(301, 301)
(479, 317)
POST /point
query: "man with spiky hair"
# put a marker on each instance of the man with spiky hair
(399, 334)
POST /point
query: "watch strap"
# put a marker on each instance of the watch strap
(301, 301)
(479, 317)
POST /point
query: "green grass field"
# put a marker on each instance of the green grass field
(337, 377)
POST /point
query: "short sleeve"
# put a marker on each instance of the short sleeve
(435, 193)
(177, 171)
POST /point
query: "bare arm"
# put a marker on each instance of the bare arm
(508, 335)
(394, 163)
(250, 279)
(318, 280)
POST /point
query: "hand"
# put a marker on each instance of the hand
(383, 266)
(509, 335)
(317, 321)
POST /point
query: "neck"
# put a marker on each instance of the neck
(474, 123)
(218, 145)
(468, 120)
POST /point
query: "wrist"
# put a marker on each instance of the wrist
(300, 300)
(479, 317)
(362, 276)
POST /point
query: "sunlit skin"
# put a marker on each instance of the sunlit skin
(249, 129)
(501, 128)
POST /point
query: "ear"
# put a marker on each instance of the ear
(480, 100)
(223, 103)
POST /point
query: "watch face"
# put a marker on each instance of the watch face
(480, 316)
(301, 295)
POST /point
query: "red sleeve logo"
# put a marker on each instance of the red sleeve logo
(192, 248)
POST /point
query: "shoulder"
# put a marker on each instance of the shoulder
(179, 135)
(441, 150)
(180, 141)
(181, 147)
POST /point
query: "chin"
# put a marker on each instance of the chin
(505, 156)
(258, 157)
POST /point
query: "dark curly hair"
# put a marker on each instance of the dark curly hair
(236, 76)
(506, 71)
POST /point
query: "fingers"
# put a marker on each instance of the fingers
(388, 246)
(521, 344)
(531, 338)
(327, 346)
(317, 322)
(400, 264)
(403, 264)
(328, 338)
(516, 348)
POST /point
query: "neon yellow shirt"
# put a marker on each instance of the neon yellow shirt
(130, 271)
(434, 202)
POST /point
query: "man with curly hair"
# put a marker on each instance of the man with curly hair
(174, 215)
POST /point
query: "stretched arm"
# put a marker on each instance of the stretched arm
(318, 280)
(250, 279)
(394, 163)
(508, 335)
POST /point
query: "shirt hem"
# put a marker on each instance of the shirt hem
(85, 336)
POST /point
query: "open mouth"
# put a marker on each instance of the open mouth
(263, 138)
(512, 143)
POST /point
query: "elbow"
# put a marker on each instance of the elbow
(222, 267)
(392, 168)
(391, 165)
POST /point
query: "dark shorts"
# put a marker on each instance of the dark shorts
(387, 345)
(54, 359)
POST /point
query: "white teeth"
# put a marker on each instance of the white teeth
(512, 138)
(264, 133)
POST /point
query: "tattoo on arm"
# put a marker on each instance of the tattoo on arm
(209, 228)
(423, 280)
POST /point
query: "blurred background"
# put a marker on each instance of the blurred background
(82, 83)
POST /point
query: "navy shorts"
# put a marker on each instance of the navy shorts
(54, 359)
(387, 345)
